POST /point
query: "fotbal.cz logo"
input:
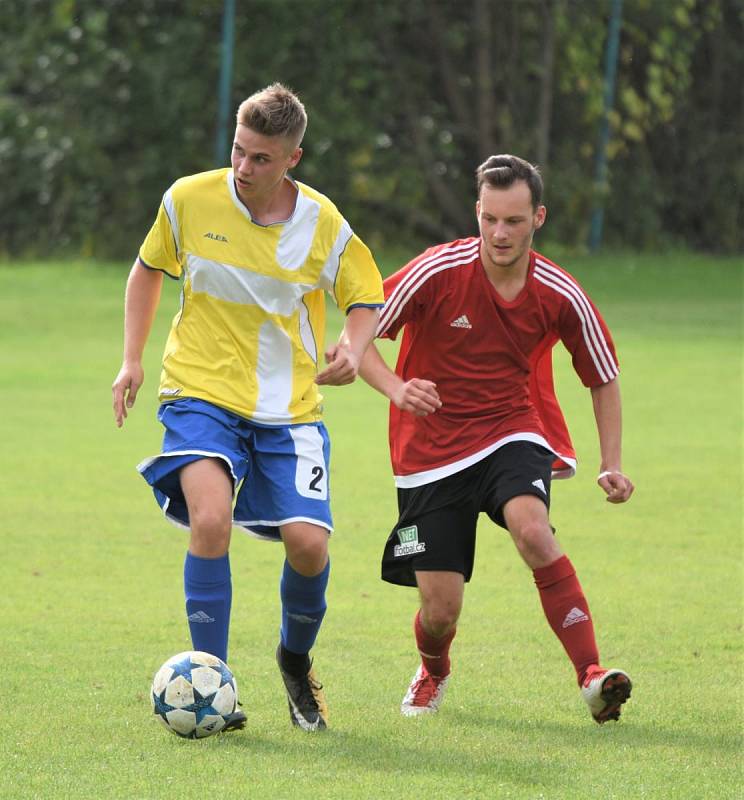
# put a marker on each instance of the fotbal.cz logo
(409, 543)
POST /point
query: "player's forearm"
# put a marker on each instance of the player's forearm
(608, 415)
(141, 303)
(377, 373)
(359, 329)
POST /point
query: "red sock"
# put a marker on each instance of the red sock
(568, 613)
(434, 652)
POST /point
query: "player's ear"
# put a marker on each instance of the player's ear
(477, 209)
(540, 216)
(294, 159)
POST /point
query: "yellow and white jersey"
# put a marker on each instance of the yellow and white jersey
(250, 331)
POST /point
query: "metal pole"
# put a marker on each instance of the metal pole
(221, 145)
(600, 167)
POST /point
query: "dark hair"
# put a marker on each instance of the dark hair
(500, 172)
(274, 111)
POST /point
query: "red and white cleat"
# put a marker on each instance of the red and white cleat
(605, 691)
(425, 693)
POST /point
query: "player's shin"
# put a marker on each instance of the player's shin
(303, 608)
(567, 613)
(208, 588)
(434, 651)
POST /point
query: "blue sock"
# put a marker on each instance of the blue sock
(208, 589)
(303, 607)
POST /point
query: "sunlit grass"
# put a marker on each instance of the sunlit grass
(91, 575)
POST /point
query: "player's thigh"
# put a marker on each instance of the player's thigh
(515, 470)
(438, 540)
(306, 546)
(288, 483)
(527, 521)
(195, 431)
(208, 489)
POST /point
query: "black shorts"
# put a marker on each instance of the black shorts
(437, 521)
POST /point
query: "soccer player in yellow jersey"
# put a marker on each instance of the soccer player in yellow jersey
(244, 444)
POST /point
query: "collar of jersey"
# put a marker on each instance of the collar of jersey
(247, 214)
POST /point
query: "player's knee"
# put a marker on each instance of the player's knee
(210, 529)
(440, 618)
(535, 541)
(308, 555)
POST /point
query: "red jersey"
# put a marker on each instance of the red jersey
(490, 358)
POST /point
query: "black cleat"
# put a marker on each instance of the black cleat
(307, 703)
(235, 721)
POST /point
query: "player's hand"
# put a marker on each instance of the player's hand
(418, 396)
(617, 487)
(343, 367)
(125, 389)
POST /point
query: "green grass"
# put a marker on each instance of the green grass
(91, 598)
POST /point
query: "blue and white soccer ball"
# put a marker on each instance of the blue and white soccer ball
(193, 694)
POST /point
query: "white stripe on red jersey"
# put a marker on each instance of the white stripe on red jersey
(595, 341)
(443, 259)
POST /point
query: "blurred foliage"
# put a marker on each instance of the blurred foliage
(103, 103)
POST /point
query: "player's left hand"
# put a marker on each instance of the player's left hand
(343, 367)
(617, 487)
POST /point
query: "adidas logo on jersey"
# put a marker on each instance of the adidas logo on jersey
(539, 485)
(575, 615)
(215, 236)
(461, 322)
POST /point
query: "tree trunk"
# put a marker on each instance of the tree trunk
(484, 79)
(545, 104)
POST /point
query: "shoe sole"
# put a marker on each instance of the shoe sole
(300, 722)
(417, 711)
(615, 691)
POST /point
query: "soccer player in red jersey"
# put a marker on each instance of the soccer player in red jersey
(475, 424)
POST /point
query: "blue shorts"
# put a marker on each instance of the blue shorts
(280, 474)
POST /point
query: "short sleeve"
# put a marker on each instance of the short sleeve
(161, 247)
(358, 281)
(587, 338)
(405, 296)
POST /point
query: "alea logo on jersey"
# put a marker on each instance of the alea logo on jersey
(409, 543)
(217, 237)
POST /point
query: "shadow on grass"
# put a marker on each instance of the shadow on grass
(630, 730)
(422, 752)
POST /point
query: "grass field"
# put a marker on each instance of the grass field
(91, 599)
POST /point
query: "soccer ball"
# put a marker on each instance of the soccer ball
(193, 693)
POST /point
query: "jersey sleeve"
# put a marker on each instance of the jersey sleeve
(405, 297)
(161, 247)
(587, 338)
(358, 281)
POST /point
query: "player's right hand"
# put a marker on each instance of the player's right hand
(617, 486)
(125, 388)
(417, 396)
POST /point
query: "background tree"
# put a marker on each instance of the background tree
(103, 103)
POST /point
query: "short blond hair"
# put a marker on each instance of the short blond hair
(274, 111)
